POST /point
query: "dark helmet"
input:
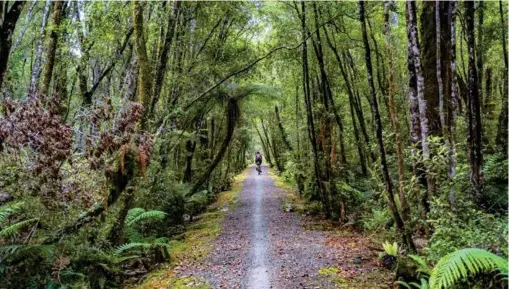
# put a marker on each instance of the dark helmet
(257, 152)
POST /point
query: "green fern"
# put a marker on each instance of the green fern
(9, 209)
(13, 229)
(138, 214)
(391, 249)
(462, 264)
(133, 213)
(424, 284)
(23, 252)
(423, 266)
(129, 246)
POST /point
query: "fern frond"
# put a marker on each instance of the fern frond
(128, 246)
(9, 209)
(423, 266)
(18, 252)
(462, 264)
(13, 229)
(149, 215)
(133, 213)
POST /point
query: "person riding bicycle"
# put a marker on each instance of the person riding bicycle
(258, 161)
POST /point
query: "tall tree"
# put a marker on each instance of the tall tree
(474, 107)
(52, 46)
(407, 238)
(9, 17)
(405, 208)
(36, 68)
(502, 134)
(145, 75)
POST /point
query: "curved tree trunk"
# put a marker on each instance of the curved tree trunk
(232, 118)
(10, 18)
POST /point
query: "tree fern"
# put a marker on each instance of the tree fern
(462, 264)
(13, 229)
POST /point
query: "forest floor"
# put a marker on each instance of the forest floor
(257, 242)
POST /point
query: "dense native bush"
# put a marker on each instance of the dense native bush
(464, 227)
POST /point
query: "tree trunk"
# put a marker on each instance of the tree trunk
(324, 196)
(360, 147)
(52, 47)
(165, 52)
(405, 208)
(284, 136)
(378, 129)
(501, 139)
(188, 171)
(423, 120)
(232, 118)
(480, 50)
(145, 75)
(429, 69)
(453, 107)
(474, 111)
(10, 18)
(37, 63)
(266, 149)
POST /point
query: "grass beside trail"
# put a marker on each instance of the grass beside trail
(196, 243)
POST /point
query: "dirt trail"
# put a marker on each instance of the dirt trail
(262, 246)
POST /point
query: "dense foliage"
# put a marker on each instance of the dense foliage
(121, 121)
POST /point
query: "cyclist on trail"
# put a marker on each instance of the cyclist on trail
(258, 161)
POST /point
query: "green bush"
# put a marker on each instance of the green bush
(464, 227)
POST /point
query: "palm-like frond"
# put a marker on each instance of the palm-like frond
(463, 263)
(13, 229)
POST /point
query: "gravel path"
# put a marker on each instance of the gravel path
(261, 246)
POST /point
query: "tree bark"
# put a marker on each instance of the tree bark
(165, 52)
(37, 63)
(324, 196)
(428, 66)
(474, 107)
(407, 238)
(284, 136)
(423, 119)
(10, 18)
(502, 134)
(360, 147)
(232, 112)
(145, 75)
(405, 208)
(52, 46)
(453, 107)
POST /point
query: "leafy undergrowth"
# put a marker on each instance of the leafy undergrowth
(195, 244)
(358, 263)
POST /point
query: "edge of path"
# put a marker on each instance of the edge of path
(196, 243)
(356, 254)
